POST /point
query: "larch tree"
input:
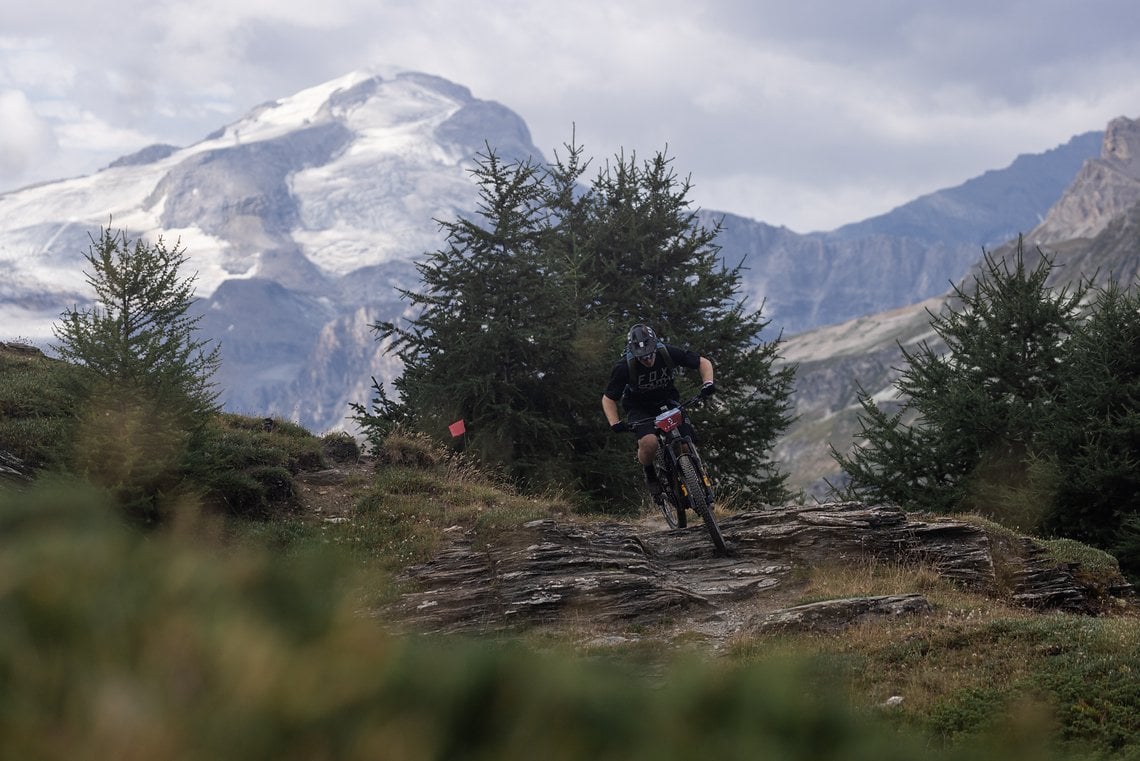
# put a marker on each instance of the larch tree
(145, 384)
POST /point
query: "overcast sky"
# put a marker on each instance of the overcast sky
(805, 113)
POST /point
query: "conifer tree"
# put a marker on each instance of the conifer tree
(522, 316)
(146, 390)
(139, 332)
(483, 346)
(1094, 430)
(973, 406)
(655, 263)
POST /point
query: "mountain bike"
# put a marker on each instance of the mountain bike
(685, 484)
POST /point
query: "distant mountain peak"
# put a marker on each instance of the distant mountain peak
(989, 209)
(1122, 145)
(1105, 188)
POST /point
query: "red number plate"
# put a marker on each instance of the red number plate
(667, 421)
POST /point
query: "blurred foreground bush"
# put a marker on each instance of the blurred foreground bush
(116, 644)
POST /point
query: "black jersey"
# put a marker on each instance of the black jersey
(649, 386)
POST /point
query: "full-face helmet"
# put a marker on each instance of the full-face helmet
(642, 341)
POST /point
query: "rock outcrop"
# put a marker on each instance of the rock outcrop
(1104, 189)
(617, 574)
(12, 468)
(831, 615)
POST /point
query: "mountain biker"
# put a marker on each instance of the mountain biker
(643, 381)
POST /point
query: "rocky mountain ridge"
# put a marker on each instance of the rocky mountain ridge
(1105, 189)
(905, 256)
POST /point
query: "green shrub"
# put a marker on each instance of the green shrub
(247, 466)
(36, 411)
(237, 493)
(340, 447)
(1096, 698)
(277, 482)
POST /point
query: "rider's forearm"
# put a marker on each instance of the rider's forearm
(706, 370)
(610, 408)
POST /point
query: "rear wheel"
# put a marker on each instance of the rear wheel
(694, 490)
(674, 516)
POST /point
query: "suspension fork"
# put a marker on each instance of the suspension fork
(669, 455)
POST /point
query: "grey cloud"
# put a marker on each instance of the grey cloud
(879, 93)
(1013, 49)
(25, 138)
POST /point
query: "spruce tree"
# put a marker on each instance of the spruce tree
(973, 405)
(1094, 430)
(483, 346)
(522, 316)
(655, 263)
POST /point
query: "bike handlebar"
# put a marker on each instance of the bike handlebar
(679, 406)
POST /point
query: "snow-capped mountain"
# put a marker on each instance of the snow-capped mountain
(348, 174)
(300, 219)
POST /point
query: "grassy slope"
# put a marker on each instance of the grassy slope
(239, 637)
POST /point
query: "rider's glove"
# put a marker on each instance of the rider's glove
(708, 389)
(619, 426)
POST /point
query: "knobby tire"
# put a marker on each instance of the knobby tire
(674, 515)
(691, 479)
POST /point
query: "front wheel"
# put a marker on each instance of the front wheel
(693, 487)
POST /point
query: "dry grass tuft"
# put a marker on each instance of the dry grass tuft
(409, 448)
(870, 577)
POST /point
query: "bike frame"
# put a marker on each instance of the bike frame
(676, 450)
(671, 443)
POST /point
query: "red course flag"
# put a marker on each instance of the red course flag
(457, 428)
